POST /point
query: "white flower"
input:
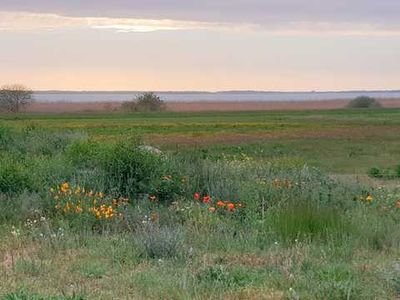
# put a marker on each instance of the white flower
(15, 232)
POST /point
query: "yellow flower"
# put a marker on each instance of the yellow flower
(64, 187)
(369, 198)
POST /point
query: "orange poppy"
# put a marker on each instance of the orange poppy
(220, 203)
(230, 206)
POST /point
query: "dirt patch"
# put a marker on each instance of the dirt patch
(10, 257)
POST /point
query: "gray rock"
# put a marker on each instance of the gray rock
(150, 149)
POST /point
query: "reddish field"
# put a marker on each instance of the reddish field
(82, 107)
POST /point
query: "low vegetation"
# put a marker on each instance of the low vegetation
(90, 213)
(364, 102)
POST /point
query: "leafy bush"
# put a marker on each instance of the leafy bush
(129, 170)
(167, 188)
(14, 178)
(364, 102)
(145, 102)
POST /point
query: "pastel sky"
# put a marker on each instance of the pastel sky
(200, 44)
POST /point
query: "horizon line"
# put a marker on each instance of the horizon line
(217, 92)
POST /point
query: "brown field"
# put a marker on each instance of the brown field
(82, 107)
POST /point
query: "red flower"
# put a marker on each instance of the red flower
(206, 199)
(230, 206)
(196, 196)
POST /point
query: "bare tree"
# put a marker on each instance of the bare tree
(13, 98)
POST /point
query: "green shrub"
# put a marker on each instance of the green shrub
(129, 170)
(364, 102)
(375, 172)
(168, 188)
(14, 177)
(83, 153)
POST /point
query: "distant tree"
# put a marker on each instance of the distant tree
(364, 102)
(15, 97)
(144, 102)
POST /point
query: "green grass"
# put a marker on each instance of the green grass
(354, 140)
(305, 229)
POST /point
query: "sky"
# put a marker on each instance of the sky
(285, 45)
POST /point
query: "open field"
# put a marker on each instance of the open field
(240, 205)
(82, 107)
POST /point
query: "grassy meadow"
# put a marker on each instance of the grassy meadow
(238, 205)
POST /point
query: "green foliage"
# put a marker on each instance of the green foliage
(385, 173)
(14, 177)
(364, 102)
(129, 170)
(302, 233)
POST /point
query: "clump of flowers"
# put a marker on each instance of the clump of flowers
(76, 200)
(218, 205)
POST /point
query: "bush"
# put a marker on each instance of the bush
(160, 242)
(14, 177)
(130, 171)
(145, 102)
(364, 102)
